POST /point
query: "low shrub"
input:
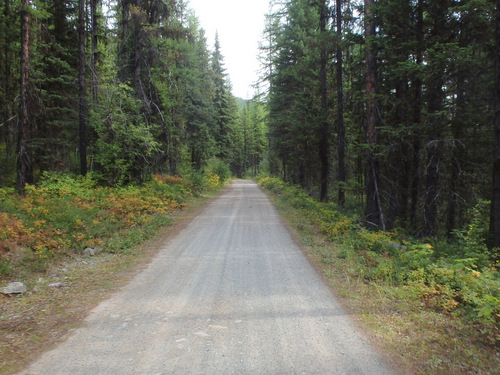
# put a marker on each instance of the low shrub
(218, 167)
(459, 277)
(64, 214)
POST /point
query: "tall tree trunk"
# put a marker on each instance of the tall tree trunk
(24, 167)
(401, 162)
(82, 97)
(137, 16)
(6, 74)
(495, 204)
(340, 108)
(374, 214)
(95, 27)
(435, 96)
(400, 201)
(10, 88)
(417, 118)
(324, 133)
(458, 152)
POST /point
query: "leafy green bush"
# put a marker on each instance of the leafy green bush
(218, 167)
(272, 184)
(471, 240)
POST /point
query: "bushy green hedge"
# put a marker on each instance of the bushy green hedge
(457, 277)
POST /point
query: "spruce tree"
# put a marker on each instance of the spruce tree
(294, 97)
(374, 211)
(324, 128)
(199, 107)
(495, 206)
(24, 162)
(223, 106)
(341, 141)
(82, 94)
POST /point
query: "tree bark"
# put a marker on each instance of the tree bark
(24, 168)
(495, 204)
(374, 214)
(456, 182)
(324, 133)
(417, 118)
(340, 108)
(435, 97)
(95, 28)
(5, 109)
(82, 97)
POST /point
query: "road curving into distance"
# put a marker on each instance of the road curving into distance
(230, 294)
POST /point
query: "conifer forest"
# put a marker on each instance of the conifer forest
(374, 127)
(383, 107)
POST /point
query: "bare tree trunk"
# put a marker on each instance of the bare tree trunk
(435, 95)
(373, 213)
(340, 108)
(495, 204)
(82, 97)
(417, 119)
(324, 133)
(6, 74)
(24, 168)
(138, 15)
(10, 91)
(95, 27)
(456, 182)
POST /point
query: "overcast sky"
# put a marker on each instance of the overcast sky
(240, 24)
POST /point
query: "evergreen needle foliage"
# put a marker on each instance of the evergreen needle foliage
(156, 98)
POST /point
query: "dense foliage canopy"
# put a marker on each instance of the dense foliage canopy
(121, 89)
(388, 107)
(411, 105)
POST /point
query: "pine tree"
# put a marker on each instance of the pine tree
(495, 205)
(55, 95)
(374, 212)
(24, 166)
(82, 96)
(340, 106)
(95, 10)
(199, 106)
(224, 109)
(9, 81)
(294, 97)
(258, 135)
(324, 131)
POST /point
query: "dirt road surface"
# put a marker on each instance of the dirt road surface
(230, 294)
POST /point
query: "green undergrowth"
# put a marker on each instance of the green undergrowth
(447, 290)
(45, 232)
(63, 215)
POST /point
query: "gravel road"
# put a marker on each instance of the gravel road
(230, 294)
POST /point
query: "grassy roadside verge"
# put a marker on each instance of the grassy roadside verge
(64, 285)
(431, 315)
